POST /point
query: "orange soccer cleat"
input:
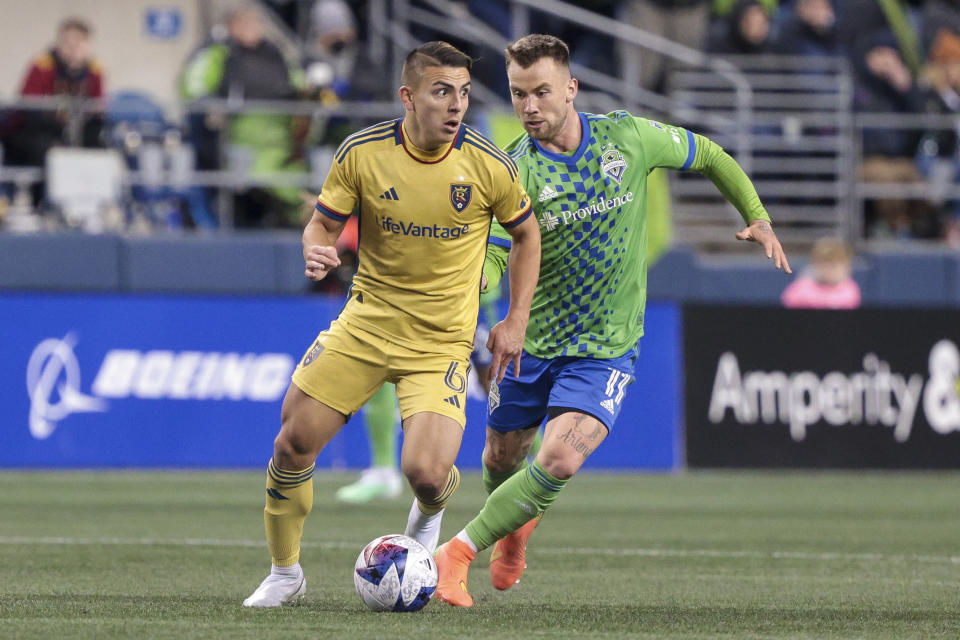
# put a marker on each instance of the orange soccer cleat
(509, 557)
(453, 563)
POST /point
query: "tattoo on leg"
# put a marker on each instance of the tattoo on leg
(577, 437)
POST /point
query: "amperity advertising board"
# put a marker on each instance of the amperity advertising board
(768, 387)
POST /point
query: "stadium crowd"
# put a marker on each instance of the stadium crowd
(904, 56)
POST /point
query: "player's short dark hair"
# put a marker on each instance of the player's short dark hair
(432, 54)
(74, 24)
(528, 49)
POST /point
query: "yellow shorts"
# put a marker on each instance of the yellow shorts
(346, 365)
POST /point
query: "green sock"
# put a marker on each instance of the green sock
(381, 417)
(493, 479)
(535, 447)
(522, 496)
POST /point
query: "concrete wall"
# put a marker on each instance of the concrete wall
(271, 263)
(132, 57)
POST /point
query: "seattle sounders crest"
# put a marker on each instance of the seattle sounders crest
(460, 195)
(612, 163)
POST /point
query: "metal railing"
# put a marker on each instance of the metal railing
(788, 121)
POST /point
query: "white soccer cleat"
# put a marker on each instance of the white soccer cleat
(423, 528)
(278, 590)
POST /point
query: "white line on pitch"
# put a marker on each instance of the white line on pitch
(625, 551)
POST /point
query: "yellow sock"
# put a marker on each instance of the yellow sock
(289, 500)
(435, 505)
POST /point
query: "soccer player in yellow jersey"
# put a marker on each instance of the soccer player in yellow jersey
(427, 188)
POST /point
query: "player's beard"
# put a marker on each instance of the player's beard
(550, 130)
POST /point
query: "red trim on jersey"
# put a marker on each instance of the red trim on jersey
(403, 141)
(332, 213)
(523, 216)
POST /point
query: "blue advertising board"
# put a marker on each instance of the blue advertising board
(90, 381)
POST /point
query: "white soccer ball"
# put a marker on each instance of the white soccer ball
(395, 573)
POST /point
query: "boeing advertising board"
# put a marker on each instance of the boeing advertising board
(165, 381)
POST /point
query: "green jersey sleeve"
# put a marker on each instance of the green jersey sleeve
(673, 147)
(717, 165)
(495, 263)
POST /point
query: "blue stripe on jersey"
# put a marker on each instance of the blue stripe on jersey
(330, 213)
(584, 143)
(499, 242)
(377, 132)
(389, 134)
(691, 150)
(523, 216)
(375, 129)
(460, 135)
(490, 149)
(380, 127)
(489, 145)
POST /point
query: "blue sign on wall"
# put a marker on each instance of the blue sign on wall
(162, 381)
(164, 23)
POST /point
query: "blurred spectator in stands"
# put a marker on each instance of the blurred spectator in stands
(938, 15)
(810, 30)
(722, 8)
(338, 70)
(938, 155)
(827, 283)
(67, 71)
(683, 21)
(248, 67)
(883, 84)
(334, 50)
(858, 17)
(745, 30)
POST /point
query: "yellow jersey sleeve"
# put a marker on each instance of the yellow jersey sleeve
(511, 204)
(340, 191)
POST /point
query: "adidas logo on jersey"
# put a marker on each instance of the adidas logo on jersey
(548, 193)
(607, 404)
(389, 194)
(454, 400)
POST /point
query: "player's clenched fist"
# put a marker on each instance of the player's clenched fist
(320, 261)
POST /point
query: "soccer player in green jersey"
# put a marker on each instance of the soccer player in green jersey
(586, 175)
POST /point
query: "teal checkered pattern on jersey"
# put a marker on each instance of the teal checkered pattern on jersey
(576, 321)
(591, 295)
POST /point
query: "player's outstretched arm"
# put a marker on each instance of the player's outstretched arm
(729, 177)
(506, 337)
(761, 231)
(319, 246)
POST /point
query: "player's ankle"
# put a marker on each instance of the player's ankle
(290, 571)
(464, 538)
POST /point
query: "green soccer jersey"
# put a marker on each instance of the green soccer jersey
(591, 206)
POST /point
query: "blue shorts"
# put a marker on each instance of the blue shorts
(593, 386)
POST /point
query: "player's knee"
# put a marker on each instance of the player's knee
(291, 452)
(497, 461)
(427, 480)
(558, 464)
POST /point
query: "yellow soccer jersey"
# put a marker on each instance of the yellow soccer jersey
(424, 221)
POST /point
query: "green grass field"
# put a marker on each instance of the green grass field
(700, 555)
